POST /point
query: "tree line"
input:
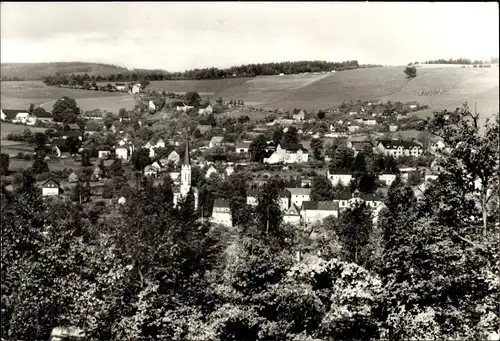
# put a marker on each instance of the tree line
(249, 70)
(463, 61)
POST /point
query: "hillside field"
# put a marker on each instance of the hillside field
(320, 91)
(19, 95)
(7, 128)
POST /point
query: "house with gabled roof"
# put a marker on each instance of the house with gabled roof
(173, 157)
(206, 111)
(242, 147)
(292, 215)
(288, 153)
(358, 146)
(211, 170)
(221, 213)
(316, 211)
(299, 115)
(51, 187)
(12, 114)
(338, 177)
(150, 171)
(299, 195)
(398, 148)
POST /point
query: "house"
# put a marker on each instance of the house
(175, 176)
(92, 127)
(387, 179)
(316, 211)
(292, 215)
(216, 141)
(16, 116)
(136, 88)
(97, 174)
(72, 127)
(39, 116)
(338, 177)
(342, 199)
(358, 146)
(229, 170)
(288, 153)
(73, 177)
(153, 144)
(211, 170)
(51, 188)
(103, 154)
(353, 128)
(150, 171)
(299, 115)
(68, 133)
(369, 121)
(10, 114)
(151, 106)
(120, 86)
(299, 195)
(122, 200)
(284, 200)
(93, 115)
(399, 148)
(439, 146)
(393, 128)
(173, 157)
(221, 213)
(306, 182)
(206, 111)
(252, 198)
(372, 200)
(124, 151)
(184, 108)
(242, 147)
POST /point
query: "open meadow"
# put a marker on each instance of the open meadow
(19, 95)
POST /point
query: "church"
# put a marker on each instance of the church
(180, 191)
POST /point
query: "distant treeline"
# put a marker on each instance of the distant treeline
(250, 70)
(463, 61)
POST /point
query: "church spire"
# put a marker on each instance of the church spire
(187, 161)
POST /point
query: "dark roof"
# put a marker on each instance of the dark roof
(320, 205)
(393, 144)
(67, 133)
(92, 126)
(242, 145)
(59, 143)
(50, 181)
(359, 145)
(284, 194)
(253, 193)
(221, 203)
(293, 147)
(371, 197)
(42, 114)
(343, 196)
(11, 113)
(73, 126)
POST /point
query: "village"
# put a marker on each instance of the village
(168, 134)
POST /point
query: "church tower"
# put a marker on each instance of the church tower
(186, 172)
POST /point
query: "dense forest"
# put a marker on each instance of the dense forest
(146, 270)
(250, 70)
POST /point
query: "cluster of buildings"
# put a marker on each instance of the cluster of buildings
(24, 117)
(299, 209)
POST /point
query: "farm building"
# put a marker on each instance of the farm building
(288, 153)
(399, 148)
(51, 188)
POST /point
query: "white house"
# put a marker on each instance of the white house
(288, 153)
(242, 147)
(292, 215)
(215, 141)
(184, 108)
(299, 195)
(399, 148)
(122, 201)
(206, 111)
(252, 198)
(211, 170)
(353, 128)
(284, 200)
(123, 152)
(393, 128)
(342, 199)
(21, 117)
(175, 176)
(387, 179)
(316, 211)
(338, 178)
(39, 116)
(152, 106)
(221, 213)
(136, 88)
(103, 154)
(120, 86)
(369, 121)
(151, 171)
(173, 157)
(153, 144)
(299, 115)
(51, 188)
(229, 170)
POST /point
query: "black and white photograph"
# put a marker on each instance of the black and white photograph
(303, 171)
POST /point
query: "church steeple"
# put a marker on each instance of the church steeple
(187, 161)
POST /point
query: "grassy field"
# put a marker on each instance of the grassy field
(19, 95)
(320, 91)
(7, 128)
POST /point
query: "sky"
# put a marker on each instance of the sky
(177, 36)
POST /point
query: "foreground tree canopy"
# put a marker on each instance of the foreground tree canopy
(149, 271)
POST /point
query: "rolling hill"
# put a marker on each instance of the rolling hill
(36, 71)
(439, 87)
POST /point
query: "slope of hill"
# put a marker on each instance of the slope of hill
(36, 71)
(438, 87)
